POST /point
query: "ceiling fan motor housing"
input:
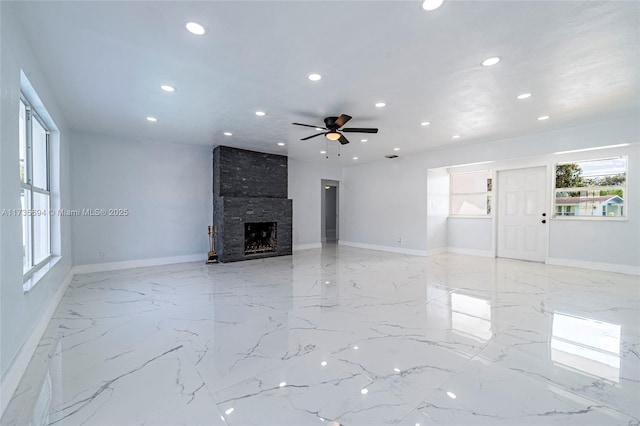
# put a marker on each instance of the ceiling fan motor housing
(330, 123)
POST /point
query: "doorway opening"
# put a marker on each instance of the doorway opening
(329, 211)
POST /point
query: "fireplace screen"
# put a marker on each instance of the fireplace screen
(259, 237)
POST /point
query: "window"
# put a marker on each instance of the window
(594, 188)
(471, 193)
(35, 197)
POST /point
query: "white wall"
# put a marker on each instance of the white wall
(385, 205)
(305, 189)
(470, 235)
(375, 192)
(21, 313)
(167, 189)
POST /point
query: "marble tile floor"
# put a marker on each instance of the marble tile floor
(340, 336)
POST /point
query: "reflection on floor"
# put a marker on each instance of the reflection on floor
(339, 336)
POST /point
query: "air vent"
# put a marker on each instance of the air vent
(391, 156)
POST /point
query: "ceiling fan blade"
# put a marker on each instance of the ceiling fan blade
(359, 130)
(343, 140)
(312, 136)
(342, 120)
(308, 125)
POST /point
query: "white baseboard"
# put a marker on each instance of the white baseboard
(141, 263)
(608, 267)
(435, 251)
(19, 365)
(297, 247)
(400, 250)
(471, 252)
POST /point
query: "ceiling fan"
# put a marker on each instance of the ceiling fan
(332, 128)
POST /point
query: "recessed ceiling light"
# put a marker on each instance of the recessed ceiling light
(364, 391)
(490, 61)
(355, 347)
(228, 134)
(364, 140)
(451, 395)
(195, 28)
(355, 158)
(281, 143)
(152, 119)
(168, 88)
(397, 370)
(524, 95)
(543, 117)
(261, 113)
(455, 137)
(396, 149)
(323, 363)
(425, 123)
(228, 411)
(327, 282)
(320, 129)
(323, 152)
(314, 77)
(282, 384)
(381, 105)
(431, 4)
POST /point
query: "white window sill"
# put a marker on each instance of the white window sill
(468, 216)
(592, 218)
(35, 276)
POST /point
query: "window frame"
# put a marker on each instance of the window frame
(488, 193)
(573, 216)
(28, 185)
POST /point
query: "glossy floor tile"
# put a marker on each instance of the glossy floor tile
(340, 336)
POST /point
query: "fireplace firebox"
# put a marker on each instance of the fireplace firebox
(260, 237)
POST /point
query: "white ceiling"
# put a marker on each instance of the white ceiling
(106, 60)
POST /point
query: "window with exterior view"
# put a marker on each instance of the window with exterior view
(594, 188)
(35, 195)
(471, 193)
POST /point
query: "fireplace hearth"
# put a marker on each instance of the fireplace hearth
(260, 237)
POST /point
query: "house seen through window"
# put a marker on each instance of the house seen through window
(594, 188)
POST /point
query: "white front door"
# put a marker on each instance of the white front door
(522, 215)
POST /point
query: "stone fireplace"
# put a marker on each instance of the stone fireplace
(251, 210)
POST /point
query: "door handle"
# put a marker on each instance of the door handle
(544, 214)
(544, 221)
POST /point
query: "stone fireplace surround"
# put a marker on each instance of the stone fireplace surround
(249, 187)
